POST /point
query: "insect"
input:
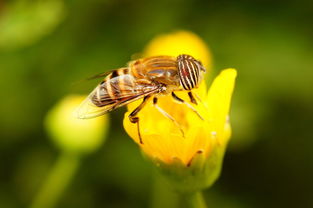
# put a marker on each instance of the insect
(147, 78)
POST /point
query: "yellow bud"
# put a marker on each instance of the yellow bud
(71, 133)
(180, 42)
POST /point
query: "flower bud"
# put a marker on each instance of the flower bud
(72, 134)
(180, 42)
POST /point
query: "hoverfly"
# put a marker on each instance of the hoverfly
(144, 78)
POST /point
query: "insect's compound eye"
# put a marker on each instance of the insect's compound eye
(188, 71)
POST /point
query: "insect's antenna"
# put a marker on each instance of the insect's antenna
(201, 67)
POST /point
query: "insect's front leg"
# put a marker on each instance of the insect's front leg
(176, 98)
(135, 119)
(192, 98)
(164, 113)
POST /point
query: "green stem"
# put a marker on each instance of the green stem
(57, 181)
(162, 195)
(193, 200)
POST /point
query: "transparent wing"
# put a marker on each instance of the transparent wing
(103, 74)
(88, 109)
(114, 93)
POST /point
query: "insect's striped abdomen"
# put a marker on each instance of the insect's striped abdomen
(188, 71)
(114, 88)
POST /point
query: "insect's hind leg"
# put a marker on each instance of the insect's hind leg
(135, 119)
(164, 113)
(176, 98)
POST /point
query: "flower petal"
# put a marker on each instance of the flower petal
(218, 101)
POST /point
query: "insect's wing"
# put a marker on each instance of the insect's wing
(114, 93)
(88, 109)
(103, 74)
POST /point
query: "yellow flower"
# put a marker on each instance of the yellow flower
(191, 161)
(162, 138)
(72, 134)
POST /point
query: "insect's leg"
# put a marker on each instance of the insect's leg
(164, 113)
(135, 119)
(192, 98)
(187, 104)
(197, 97)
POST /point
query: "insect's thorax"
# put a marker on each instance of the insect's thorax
(159, 69)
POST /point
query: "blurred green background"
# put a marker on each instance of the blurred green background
(47, 47)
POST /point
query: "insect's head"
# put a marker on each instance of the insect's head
(190, 71)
